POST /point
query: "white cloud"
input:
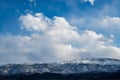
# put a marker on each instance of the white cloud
(104, 23)
(54, 40)
(90, 1)
(38, 22)
(111, 22)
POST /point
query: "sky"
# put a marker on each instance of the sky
(38, 31)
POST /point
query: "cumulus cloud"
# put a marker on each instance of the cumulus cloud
(110, 22)
(104, 23)
(90, 1)
(54, 39)
(38, 22)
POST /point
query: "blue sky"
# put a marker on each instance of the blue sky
(37, 30)
(11, 10)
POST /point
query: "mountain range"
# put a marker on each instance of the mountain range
(94, 65)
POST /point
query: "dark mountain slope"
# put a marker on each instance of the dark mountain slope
(54, 76)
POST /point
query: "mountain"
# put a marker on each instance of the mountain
(94, 65)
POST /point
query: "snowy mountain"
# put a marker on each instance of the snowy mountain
(66, 67)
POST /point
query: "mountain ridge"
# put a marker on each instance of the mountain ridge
(66, 67)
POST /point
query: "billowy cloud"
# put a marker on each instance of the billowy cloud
(104, 23)
(54, 39)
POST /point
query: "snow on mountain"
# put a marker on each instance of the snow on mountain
(100, 61)
(66, 67)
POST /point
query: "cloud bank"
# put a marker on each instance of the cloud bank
(54, 39)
